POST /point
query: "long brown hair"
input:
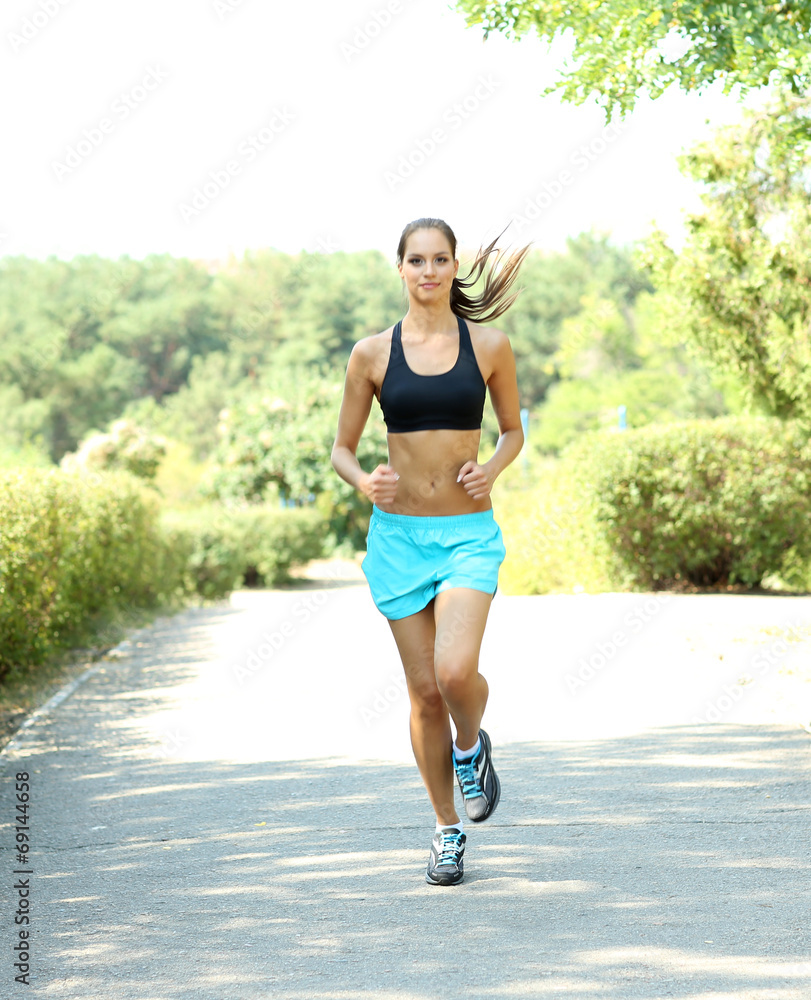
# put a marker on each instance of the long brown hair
(495, 298)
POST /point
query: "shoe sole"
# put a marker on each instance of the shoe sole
(446, 881)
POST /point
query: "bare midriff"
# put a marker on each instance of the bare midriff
(428, 463)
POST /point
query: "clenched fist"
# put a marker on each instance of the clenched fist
(380, 486)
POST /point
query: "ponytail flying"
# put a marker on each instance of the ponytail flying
(495, 298)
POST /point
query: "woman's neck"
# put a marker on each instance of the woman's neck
(429, 319)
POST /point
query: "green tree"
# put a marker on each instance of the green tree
(614, 355)
(310, 308)
(740, 287)
(164, 320)
(600, 337)
(79, 339)
(334, 300)
(277, 441)
(163, 342)
(553, 289)
(622, 48)
(192, 414)
(249, 305)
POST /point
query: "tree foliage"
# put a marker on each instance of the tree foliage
(613, 354)
(740, 287)
(166, 343)
(80, 338)
(125, 446)
(622, 48)
(277, 441)
(554, 288)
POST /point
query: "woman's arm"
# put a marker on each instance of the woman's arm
(380, 485)
(478, 479)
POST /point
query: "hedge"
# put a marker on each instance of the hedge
(552, 546)
(71, 551)
(703, 502)
(224, 548)
(77, 550)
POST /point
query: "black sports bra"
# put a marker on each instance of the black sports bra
(453, 400)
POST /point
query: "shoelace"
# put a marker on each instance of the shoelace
(451, 849)
(468, 779)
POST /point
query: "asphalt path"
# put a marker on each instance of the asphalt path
(228, 807)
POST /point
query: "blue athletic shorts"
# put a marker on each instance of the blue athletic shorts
(409, 560)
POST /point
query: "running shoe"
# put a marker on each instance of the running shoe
(478, 781)
(445, 865)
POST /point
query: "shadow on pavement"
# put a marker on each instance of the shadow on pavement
(669, 864)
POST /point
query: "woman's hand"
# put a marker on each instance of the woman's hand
(476, 480)
(380, 486)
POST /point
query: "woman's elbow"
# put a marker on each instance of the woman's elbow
(340, 452)
(519, 437)
(515, 435)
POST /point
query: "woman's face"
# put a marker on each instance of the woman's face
(428, 267)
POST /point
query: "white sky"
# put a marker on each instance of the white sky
(342, 98)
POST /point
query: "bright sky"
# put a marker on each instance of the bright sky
(201, 127)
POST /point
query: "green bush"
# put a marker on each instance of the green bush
(209, 549)
(275, 540)
(224, 547)
(71, 551)
(706, 503)
(551, 543)
(124, 446)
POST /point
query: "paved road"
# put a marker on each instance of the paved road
(231, 810)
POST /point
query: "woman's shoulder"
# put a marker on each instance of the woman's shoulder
(492, 349)
(371, 346)
(372, 352)
(488, 338)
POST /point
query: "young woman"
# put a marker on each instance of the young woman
(434, 549)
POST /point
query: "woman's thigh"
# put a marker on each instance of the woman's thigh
(416, 637)
(460, 616)
(444, 636)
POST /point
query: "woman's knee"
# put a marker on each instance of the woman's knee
(454, 677)
(426, 698)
